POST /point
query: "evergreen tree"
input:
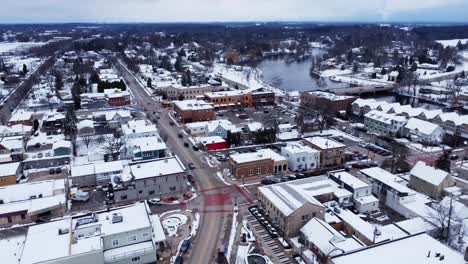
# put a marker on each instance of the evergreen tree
(25, 69)
(443, 162)
(70, 123)
(149, 83)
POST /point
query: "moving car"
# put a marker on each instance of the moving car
(154, 201)
(185, 246)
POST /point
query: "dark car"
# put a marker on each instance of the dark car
(178, 260)
(185, 246)
(195, 148)
(191, 166)
(186, 144)
(171, 123)
(180, 135)
(266, 182)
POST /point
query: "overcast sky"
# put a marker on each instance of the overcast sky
(44, 11)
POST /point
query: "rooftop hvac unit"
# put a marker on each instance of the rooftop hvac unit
(117, 218)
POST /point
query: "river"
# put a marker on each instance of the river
(293, 76)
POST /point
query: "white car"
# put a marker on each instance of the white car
(155, 201)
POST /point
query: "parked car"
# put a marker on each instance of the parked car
(186, 144)
(171, 123)
(191, 165)
(266, 182)
(178, 260)
(180, 135)
(195, 148)
(80, 196)
(154, 201)
(184, 247)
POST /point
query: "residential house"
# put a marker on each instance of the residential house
(384, 124)
(429, 180)
(423, 131)
(143, 148)
(95, 174)
(10, 173)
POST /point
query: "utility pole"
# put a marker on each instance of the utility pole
(449, 220)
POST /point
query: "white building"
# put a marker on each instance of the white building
(124, 235)
(139, 128)
(424, 132)
(301, 157)
(363, 199)
(218, 127)
(95, 174)
(384, 124)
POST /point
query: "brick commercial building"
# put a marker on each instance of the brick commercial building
(257, 164)
(188, 92)
(332, 153)
(229, 98)
(263, 97)
(194, 110)
(330, 102)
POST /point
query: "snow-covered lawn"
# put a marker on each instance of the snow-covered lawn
(420, 147)
(451, 42)
(359, 81)
(173, 222)
(11, 46)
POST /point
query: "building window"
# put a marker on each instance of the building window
(135, 259)
(123, 197)
(115, 242)
(172, 188)
(151, 192)
(251, 171)
(259, 170)
(144, 234)
(132, 238)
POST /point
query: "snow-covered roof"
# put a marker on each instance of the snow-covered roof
(8, 169)
(19, 197)
(225, 93)
(290, 196)
(386, 178)
(428, 174)
(85, 124)
(298, 147)
(210, 140)
(96, 168)
(327, 239)
(415, 225)
(348, 179)
(261, 154)
(359, 225)
(146, 143)
(324, 143)
(15, 129)
(21, 116)
(417, 249)
(12, 143)
(254, 126)
(155, 168)
(194, 105)
(12, 248)
(384, 117)
(138, 127)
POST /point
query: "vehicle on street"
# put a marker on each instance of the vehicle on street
(186, 144)
(154, 201)
(191, 165)
(171, 123)
(180, 135)
(185, 246)
(195, 148)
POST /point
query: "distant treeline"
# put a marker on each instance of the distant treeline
(442, 32)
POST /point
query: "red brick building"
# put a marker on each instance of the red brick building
(194, 110)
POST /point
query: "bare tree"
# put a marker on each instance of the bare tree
(445, 216)
(112, 145)
(87, 139)
(454, 88)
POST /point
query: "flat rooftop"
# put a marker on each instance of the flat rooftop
(261, 154)
(195, 105)
(324, 143)
(155, 168)
(417, 249)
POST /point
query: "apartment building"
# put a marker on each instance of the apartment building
(332, 153)
(301, 157)
(383, 123)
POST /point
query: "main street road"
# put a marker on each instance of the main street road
(210, 230)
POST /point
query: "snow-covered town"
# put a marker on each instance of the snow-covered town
(236, 142)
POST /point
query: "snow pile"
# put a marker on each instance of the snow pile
(220, 176)
(232, 236)
(173, 222)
